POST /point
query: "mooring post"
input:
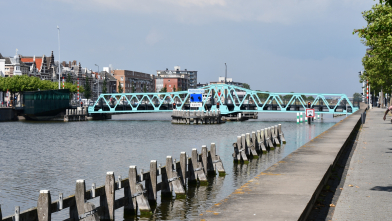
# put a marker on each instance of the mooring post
(204, 156)
(43, 206)
(236, 154)
(182, 169)
(258, 148)
(110, 196)
(80, 192)
(254, 145)
(281, 135)
(213, 156)
(262, 141)
(169, 171)
(17, 213)
(166, 172)
(250, 146)
(276, 135)
(192, 166)
(151, 184)
(217, 162)
(131, 208)
(242, 148)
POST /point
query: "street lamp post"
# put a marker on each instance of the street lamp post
(58, 29)
(225, 83)
(98, 81)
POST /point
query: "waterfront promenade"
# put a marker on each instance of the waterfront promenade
(367, 189)
(289, 189)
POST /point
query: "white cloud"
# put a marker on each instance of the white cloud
(203, 11)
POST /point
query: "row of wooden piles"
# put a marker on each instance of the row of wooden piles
(250, 146)
(175, 176)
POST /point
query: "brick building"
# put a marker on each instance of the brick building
(133, 79)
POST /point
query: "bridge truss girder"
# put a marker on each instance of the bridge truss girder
(232, 99)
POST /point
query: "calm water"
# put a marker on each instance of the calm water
(53, 155)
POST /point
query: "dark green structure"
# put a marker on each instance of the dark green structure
(45, 103)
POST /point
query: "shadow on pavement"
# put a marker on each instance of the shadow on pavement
(382, 188)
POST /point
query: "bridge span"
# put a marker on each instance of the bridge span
(228, 99)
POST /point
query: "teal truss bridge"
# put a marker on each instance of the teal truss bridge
(228, 99)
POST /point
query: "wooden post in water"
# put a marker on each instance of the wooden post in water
(192, 165)
(169, 171)
(204, 156)
(276, 136)
(254, 145)
(166, 173)
(110, 196)
(217, 162)
(130, 209)
(262, 141)
(182, 169)
(281, 135)
(80, 192)
(151, 184)
(43, 206)
(251, 147)
(242, 148)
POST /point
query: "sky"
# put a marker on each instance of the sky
(280, 46)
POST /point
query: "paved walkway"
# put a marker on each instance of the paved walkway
(367, 191)
(286, 190)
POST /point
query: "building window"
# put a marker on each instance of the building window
(122, 78)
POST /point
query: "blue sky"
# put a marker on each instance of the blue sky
(280, 46)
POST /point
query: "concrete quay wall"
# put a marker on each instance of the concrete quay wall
(7, 114)
(289, 189)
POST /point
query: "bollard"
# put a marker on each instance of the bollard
(297, 118)
(43, 206)
(300, 117)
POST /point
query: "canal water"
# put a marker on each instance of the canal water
(53, 155)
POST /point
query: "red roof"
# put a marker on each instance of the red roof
(38, 61)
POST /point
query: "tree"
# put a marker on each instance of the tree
(263, 96)
(246, 86)
(377, 36)
(357, 97)
(163, 90)
(87, 89)
(310, 98)
(69, 78)
(120, 89)
(174, 88)
(104, 86)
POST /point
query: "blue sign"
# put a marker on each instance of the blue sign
(196, 98)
